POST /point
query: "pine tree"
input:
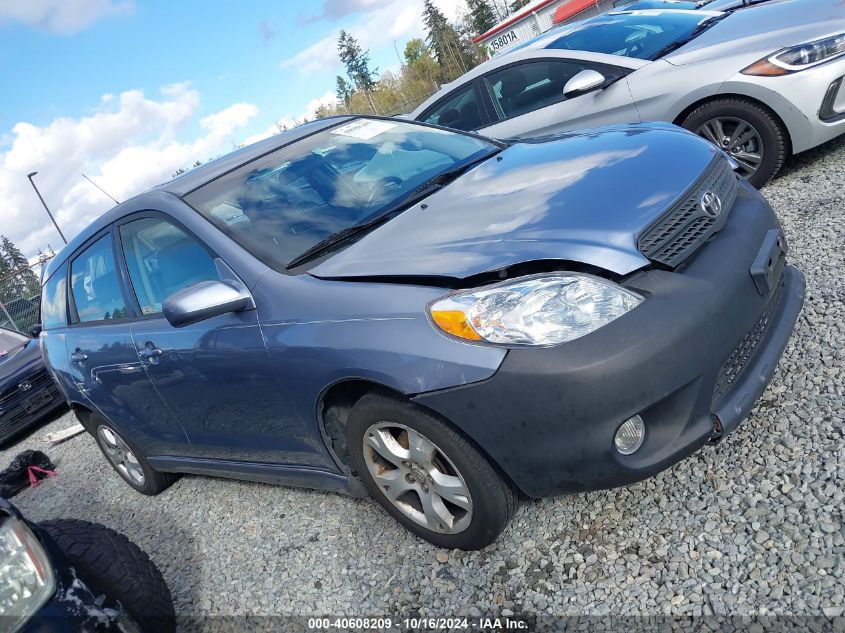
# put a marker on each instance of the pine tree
(454, 54)
(17, 280)
(357, 62)
(516, 5)
(343, 90)
(482, 16)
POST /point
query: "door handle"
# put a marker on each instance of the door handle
(150, 352)
(78, 357)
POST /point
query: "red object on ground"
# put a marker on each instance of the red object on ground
(33, 478)
(570, 9)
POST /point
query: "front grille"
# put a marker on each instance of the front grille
(736, 363)
(686, 226)
(18, 407)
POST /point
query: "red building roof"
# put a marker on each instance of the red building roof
(570, 9)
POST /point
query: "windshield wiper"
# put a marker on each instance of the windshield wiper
(424, 190)
(673, 46)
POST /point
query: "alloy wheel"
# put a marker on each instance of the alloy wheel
(417, 477)
(120, 455)
(738, 138)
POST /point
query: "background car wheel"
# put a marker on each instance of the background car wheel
(748, 132)
(128, 461)
(429, 477)
(113, 566)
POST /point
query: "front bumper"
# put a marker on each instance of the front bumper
(802, 100)
(20, 411)
(548, 416)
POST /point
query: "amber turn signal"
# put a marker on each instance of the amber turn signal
(765, 68)
(455, 323)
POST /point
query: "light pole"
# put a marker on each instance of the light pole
(46, 208)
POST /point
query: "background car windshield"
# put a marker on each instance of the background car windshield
(9, 341)
(640, 35)
(282, 204)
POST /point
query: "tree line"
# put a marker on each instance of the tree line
(445, 54)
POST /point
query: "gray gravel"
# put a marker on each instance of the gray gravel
(752, 526)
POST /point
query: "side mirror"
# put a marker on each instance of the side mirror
(205, 300)
(35, 330)
(583, 82)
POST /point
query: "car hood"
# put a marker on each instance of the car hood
(764, 29)
(18, 365)
(581, 197)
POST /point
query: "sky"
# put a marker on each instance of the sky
(129, 91)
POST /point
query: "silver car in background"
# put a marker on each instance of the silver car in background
(762, 82)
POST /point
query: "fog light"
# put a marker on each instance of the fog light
(630, 435)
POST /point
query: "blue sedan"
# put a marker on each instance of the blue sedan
(27, 392)
(437, 319)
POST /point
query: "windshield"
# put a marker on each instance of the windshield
(283, 204)
(639, 34)
(10, 340)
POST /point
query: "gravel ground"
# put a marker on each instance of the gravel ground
(753, 526)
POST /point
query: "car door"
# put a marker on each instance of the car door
(528, 99)
(214, 375)
(103, 364)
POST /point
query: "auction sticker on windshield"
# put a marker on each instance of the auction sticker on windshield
(364, 129)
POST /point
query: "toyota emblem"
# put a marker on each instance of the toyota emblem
(25, 385)
(711, 204)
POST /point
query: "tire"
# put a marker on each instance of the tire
(484, 513)
(135, 471)
(113, 566)
(770, 131)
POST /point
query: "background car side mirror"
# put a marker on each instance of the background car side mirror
(205, 300)
(35, 330)
(583, 82)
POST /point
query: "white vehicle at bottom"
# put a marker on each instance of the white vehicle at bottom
(762, 82)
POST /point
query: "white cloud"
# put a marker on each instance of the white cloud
(397, 20)
(61, 16)
(328, 98)
(128, 145)
(336, 9)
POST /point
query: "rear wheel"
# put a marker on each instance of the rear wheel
(425, 474)
(748, 132)
(113, 566)
(128, 461)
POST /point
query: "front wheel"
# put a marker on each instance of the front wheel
(114, 567)
(748, 132)
(425, 474)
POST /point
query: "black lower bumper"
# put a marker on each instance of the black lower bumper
(549, 415)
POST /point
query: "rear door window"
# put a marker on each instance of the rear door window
(460, 111)
(54, 300)
(162, 259)
(95, 286)
(523, 88)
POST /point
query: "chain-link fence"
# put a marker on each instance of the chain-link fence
(20, 295)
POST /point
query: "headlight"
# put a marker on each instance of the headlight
(799, 57)
(26, 577)
(541, 310)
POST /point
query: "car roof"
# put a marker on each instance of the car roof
(193, 179)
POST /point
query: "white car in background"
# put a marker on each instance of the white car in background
(762, 82)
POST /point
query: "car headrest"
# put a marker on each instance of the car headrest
(470, 117)
(450, 117)
(513, 83)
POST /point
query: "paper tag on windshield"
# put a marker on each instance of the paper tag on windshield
(364, 129)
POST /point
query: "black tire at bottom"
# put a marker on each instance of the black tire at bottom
(112, 565)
